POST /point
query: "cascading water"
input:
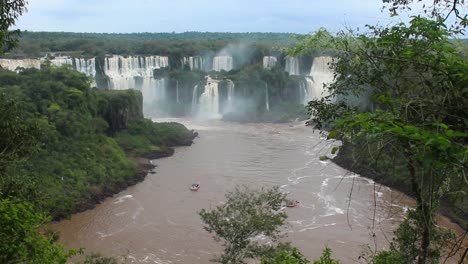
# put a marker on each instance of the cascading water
(194, 62)
(123, 72)
(267, 98)
(154, 94)
(269, 62)
(320, 74)
(307, 91)
(292, 66)
(12, 65)
(209, 100)
(177, 91)
(86, 66)
(222, 63)
(195, 100)
(230, 96)
(59, 61)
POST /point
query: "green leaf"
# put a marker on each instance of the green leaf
(333, 134)
(334, 150)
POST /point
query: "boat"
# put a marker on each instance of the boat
(194, 187)
(292, 204)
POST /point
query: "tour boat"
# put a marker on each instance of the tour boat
(195, 187)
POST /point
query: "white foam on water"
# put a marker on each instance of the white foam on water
(316, 227)
(122, 199)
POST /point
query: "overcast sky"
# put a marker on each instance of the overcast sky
(123, 16)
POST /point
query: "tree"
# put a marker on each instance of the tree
(10, 11)
(247, 214)
(292, 256)
(437, 9)
(21, 238)
(18, 140)
(326, 258)
(416, 115)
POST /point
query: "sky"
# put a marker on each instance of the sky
(126, 16)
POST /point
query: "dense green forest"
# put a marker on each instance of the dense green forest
(67, 146)
(35, 44)
(81, 133)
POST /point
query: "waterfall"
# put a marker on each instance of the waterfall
(267, 98)
(230, 96)
(195, 99)
(154, 94)
(222, 63)
(307, 91)
(292, 66)
(154, 91)
(177, 91)
(85, 66)
(194, 62)
(59, 61)
(12, 65)
(209, 99)
(320, 74)
(269, 62)
(123, 73)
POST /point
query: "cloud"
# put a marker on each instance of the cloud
(299, 16)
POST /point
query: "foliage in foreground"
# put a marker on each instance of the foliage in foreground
(22, 240)
(326, 258)
(246, 215)
(291, 256)
(416, 119)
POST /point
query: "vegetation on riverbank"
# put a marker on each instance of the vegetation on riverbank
(415, 132)
(83, 136)
(65, 148)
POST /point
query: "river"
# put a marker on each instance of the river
(156, 221)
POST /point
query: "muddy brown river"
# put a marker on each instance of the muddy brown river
(156, 221)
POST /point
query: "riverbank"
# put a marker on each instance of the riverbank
(343, 159)
(144, 166)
